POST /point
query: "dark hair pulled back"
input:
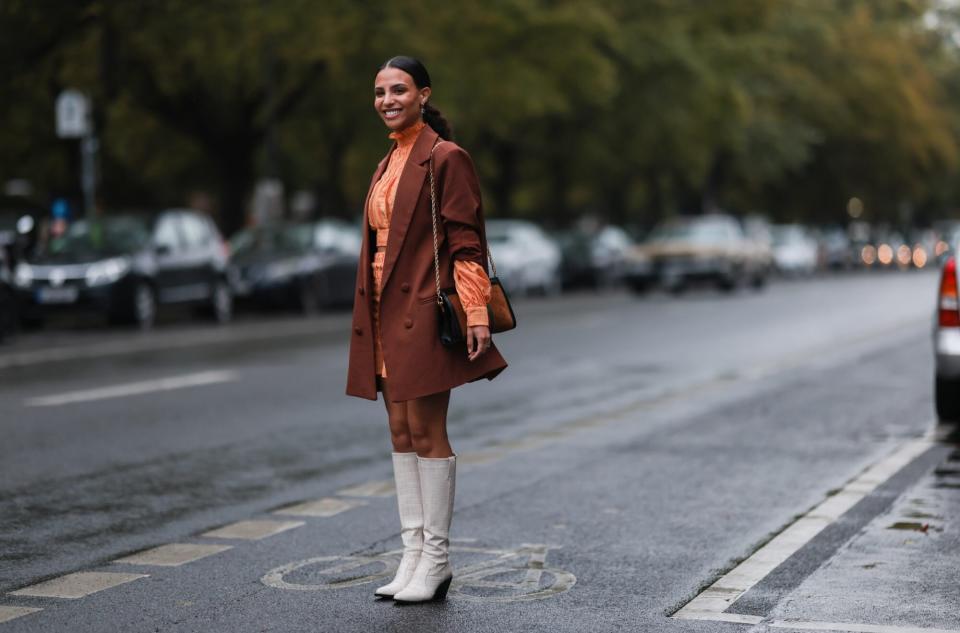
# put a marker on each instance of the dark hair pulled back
(421, 78)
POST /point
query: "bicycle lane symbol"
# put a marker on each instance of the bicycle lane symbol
(511, 575)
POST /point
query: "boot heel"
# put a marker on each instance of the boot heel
(441, 593)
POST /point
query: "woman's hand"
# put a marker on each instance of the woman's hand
(478, 341)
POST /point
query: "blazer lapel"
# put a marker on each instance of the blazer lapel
(408, 192)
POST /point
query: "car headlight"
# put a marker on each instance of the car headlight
(23, 275)
(107, 271)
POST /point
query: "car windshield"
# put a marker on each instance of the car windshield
(501, 233)
(783, 235)
(274, 239)
(103, 238)
(697, 232)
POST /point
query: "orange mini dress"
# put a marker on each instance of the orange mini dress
(471, 281)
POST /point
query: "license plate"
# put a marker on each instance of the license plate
(67, 294)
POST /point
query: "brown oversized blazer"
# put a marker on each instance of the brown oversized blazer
(417, 364)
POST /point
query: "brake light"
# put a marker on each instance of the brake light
(949, 306)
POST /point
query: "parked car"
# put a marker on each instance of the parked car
(946, 344)
(795, 251)
(709, 248)
(8, 299)
(595, 259)
(306, 266)
(836, 250)
(527, 260)
(126, 266)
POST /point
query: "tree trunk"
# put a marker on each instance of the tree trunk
(505, 181)
(712, 187)
(236, 175)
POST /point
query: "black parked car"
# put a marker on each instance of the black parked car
(305, 266)
(125, 266)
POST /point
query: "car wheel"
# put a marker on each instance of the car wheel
(143, 310)
(947, 395)
(730, 280)
(639, 287)
(309, 296)
(221, 302)
(553, 286)
(8, 314)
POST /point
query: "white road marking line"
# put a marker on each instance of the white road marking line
(77, 585)
(173, 554)
(735, 618)
(11, 613)
(854, 627)
(134, 388)
(714, 600)
(326, 507)
(383, 488)
(252, 530)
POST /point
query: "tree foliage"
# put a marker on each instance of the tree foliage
(627, 109)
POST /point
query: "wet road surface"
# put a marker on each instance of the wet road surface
(635, 453)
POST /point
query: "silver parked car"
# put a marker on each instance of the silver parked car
(946, 343)
(527, 259)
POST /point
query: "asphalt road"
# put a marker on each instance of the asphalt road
(636, 453)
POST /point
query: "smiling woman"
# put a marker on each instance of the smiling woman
(395, 347)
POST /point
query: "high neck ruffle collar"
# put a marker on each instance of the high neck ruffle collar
(408, 135)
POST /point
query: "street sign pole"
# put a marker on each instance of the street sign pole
(75, 120)
(89, 145)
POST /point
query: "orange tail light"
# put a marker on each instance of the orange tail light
(949, 305)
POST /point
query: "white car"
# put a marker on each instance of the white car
(795, 251)
(527, 260)
(946, 343)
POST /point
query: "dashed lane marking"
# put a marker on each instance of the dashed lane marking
(252, 530)
(326, 507)
(77, 585)
(711, 603)
(11, 613)
(173, 554)
(134, 388)
(853, 627)
(383, 488)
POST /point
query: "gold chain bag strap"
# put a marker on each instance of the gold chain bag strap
(453, 318)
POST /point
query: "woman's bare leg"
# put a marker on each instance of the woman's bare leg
(397, 419)
(427, 423)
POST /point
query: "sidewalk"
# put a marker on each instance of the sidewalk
(898, 573)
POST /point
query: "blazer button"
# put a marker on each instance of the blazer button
(361, 291)
(359, 331)
(405, 287)
(408, 323)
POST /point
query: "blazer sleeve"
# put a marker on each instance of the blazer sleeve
(459, 192)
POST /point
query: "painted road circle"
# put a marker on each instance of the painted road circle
(342, 573)
(489, 575)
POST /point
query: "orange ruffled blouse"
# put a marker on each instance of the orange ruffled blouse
(471, 281)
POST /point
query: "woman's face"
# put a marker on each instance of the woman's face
(397, 99)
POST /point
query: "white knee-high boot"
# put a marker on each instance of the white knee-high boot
(406, 474)
(433, 574)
